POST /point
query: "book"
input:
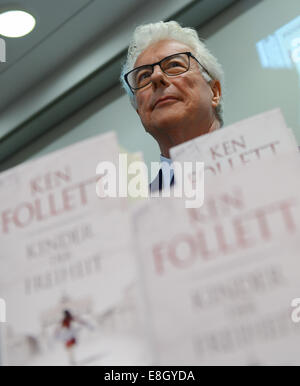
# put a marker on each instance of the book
(89, 279)
(255, 139)
(220, 280)
(67, 269)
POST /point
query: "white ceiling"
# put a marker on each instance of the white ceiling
(72, 40)
(64, 28)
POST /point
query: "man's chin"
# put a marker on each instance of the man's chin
(167, 125)
(167, 120)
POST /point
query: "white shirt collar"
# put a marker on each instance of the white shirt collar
(165, 159)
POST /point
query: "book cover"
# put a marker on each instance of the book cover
(67, 268)
(221, 280)
(255, 139)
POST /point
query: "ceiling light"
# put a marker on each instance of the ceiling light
(14, 24)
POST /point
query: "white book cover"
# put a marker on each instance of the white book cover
(67, 270)
(261, 137)
(222, 281)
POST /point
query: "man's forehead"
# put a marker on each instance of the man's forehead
(159, 50)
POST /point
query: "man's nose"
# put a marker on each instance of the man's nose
(159, 78)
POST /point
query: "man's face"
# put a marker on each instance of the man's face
(192, 100)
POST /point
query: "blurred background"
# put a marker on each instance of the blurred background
(60, 83)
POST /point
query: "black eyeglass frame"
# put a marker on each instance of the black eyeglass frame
(189, 54)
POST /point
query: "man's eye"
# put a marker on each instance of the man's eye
(174, 64)
(143, 76)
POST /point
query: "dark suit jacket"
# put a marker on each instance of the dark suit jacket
(157, 183)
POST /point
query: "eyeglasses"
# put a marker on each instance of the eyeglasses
(172, 65)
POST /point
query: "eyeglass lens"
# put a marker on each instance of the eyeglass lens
(171, 65)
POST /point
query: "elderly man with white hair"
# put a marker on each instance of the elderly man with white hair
(174, 84)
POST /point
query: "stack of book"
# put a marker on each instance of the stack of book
(89, 279)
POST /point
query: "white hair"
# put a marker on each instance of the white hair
(147, 34)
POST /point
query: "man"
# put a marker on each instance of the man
(175, 86)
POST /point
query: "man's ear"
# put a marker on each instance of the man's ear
(217, 92)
